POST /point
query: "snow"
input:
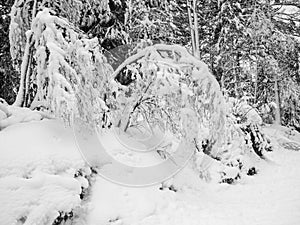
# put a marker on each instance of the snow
(271, 197)
(288, 11)
(10, 115)
(38, 163)
(38, 199)
(39, 160)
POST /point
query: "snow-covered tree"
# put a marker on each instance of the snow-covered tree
(66, 68)
(168, 84)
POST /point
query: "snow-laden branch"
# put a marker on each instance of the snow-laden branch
(70, 71)
(170, 78)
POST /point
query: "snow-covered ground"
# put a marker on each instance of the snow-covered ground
(39, 161)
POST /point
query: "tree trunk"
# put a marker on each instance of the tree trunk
(25, 67)
(197, 47)
(27, 82)
(191, 26)
(235, 84)
(277, 101)
(193, 22)
(222, 84)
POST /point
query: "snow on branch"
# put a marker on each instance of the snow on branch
(167, 83)
(70, 70)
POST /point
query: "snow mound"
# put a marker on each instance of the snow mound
(37, 168)
(10, 115)
(271, 197)
(39, 161)
(37, 200)
(285, 137)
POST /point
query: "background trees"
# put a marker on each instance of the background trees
(8, 76)
(251, 47)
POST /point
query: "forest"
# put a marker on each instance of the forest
(251, 47)
(183, 97)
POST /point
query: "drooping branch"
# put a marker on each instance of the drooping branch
(171, 76)
(70, 72)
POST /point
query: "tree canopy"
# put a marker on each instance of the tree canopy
(249, 46)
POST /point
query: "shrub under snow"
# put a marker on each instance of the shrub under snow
(42, 175)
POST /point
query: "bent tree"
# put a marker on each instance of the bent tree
(65, 28)
(64, 71)
(164, 83)
(59, 61)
